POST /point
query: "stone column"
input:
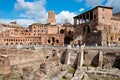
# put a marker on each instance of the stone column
(80, 56)
(68, 53)
(75, 21)
(82, 19)
(89, 16)
(93, 16)
(79, 20)
(85, 17)
(100, 59)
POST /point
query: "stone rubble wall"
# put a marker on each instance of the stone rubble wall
(15, 60)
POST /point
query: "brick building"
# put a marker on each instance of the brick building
(97, 26)
(35, 34)
(67, 29)
(51, 17)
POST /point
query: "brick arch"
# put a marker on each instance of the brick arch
(90, 35)
(86, 30)
(62, 31)
(67, 40)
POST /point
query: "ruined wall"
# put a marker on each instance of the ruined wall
(28, 63)
(91, 58)
(22, 58)
(87, 33)
(49, 61)
(111, 60)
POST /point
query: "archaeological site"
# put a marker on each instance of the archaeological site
(89, 49)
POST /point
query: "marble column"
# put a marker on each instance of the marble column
(100, 59)
(81, 56)
(68, 53)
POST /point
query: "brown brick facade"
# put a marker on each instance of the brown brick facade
(97, 26)
(35, 34)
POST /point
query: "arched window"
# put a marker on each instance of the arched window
(61, 31)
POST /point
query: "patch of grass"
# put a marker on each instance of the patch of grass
(84, 65)
(16, 77)
(117, 79)
(72, 70)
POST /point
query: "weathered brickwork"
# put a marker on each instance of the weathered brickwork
(97, 26)
(37, 33)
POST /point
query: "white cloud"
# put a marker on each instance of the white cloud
(81, 9)
(115, 4)
(65, 15)
(22, 22)
(36, 11)
(60, 18)
(25, 22)
(32, 10)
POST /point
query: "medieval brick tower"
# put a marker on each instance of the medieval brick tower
(51, 17)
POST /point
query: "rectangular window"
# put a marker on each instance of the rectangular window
(103, 9)
(53, 39)
(48, 41)
(57, 41)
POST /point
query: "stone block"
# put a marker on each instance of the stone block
(4, 69)
(68, 76)
(28, 73)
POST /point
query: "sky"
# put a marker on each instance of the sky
(26, 12)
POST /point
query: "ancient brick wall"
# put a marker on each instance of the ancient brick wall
(104, 15)
(91, 58)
